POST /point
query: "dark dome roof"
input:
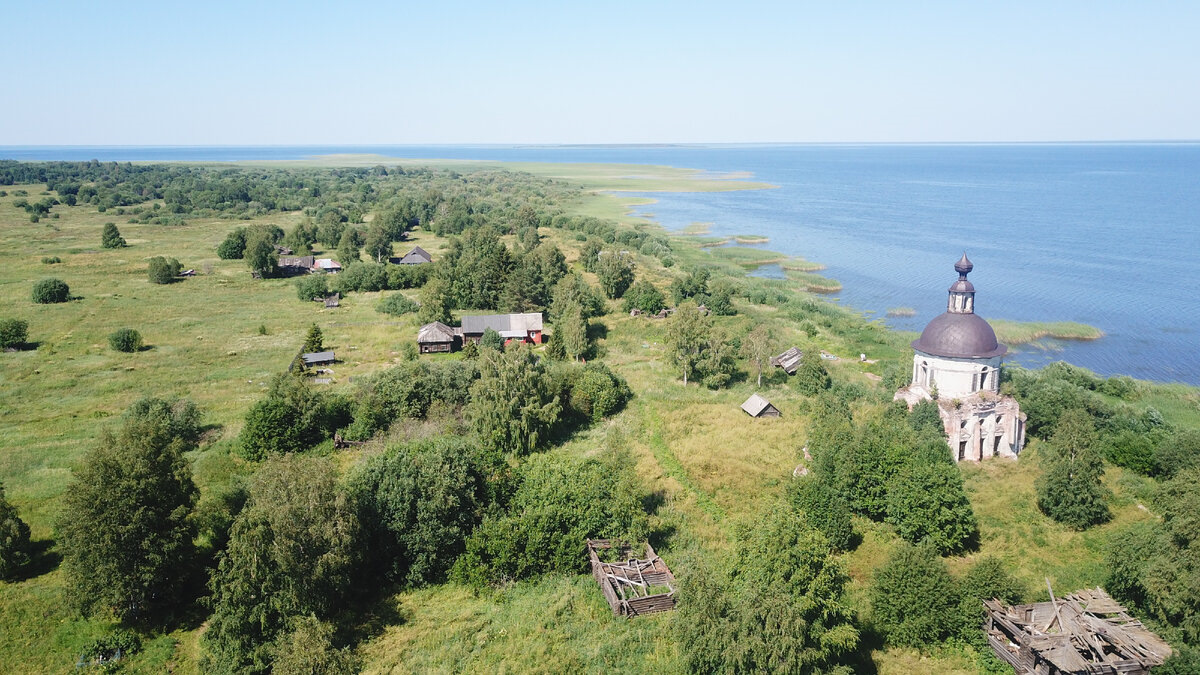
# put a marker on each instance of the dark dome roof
(959, 336)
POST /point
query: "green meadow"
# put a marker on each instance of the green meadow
(219, 337)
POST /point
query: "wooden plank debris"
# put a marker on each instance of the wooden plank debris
(1084, 633)
(627, 582)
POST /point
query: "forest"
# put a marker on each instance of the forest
(178, 492)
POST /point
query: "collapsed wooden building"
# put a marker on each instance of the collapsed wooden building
(631, 585)
(789, 360)
(1084, 633)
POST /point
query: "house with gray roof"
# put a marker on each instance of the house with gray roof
(417, 256)
(511, 327)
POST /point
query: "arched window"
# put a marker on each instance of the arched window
(925, 373)
(983, 377)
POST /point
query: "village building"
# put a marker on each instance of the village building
(959, 358)
(327, 265)
(511, 327)
(437, 337)
(417, 256)
(789, 360)
(302, 264)
(317, 358)
(757, 406)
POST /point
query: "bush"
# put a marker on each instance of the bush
(1069, 490)
(926, 502)
(234, 246)
(560, 502)
(312, 287)
(825, 509)
(163, 270)
(597, 392)
(645, 296)
(125, 340)
(811, 376)
(49, 291)
(111, 237)
(292, 417)
(914, 598)
(396, 304)
(51, 260)
(107, 649)
(13, 333)
(14, 539)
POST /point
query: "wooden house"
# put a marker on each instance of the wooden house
(295, 264)
(1084, 633)
(436, 337)
(417, 256)
(757, 406)
(328, 265)
(317, 358)
(511, 327)
(789, 360)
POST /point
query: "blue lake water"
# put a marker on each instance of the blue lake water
(1103, 234)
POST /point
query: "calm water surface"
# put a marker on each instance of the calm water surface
(1102, 234)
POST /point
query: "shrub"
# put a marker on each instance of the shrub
(914, 598)
(51, 260)
(312, 287)
(292, 417)
(234, 246)
(989, 579)
(14, 539)
(308, 648)
(107, 649)
(927, 503)
(163, 270)
(811, 376)
(645, 296)
(13, 333)
(560, 502)
(1069, 489)
(111, 237)
(825, 509)
(397, 304)
(125, 340)
(49, 291)
(597, 392)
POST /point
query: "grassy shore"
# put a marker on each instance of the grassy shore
(1024, 332)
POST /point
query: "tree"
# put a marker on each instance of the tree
(1070, 489)
(572, 330)
(614, 269)
(695, 284)
(261, 257)
(14, 539)
(419, 502)
(50, 291)
(573, 290)
(687, 336)
(13, 333)
(125, 530)
(811, 376)
(292, 417)
(597, 392)
(779, 606)
(378, 243)
(314, 341)
(512, 406)
(293, 552)
(476, 267)
(312, 287)
(163, 270)
(234, 245)
(111, 237)
(926, 502)
(397, 304)
(914, 599)
(348, 246)
(125, 340)
(987, 579)
(825, 508)
(434, 302)
(758, 347)
(645, 296)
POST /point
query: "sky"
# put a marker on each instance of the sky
(289, 73)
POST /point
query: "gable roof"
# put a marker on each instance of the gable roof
(507, 325)
(755, 405)
(305, 261)
(415, 257)
(435, 332)
(318, 357)
(789, 360)
(327, 264)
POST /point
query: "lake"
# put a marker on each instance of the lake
(1103, 234)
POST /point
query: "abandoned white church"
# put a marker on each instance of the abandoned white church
(958, 358)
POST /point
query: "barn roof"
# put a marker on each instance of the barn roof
(507, 325)
(789, 360)
(755, 405)
(304, 261)
(318, 357)
(435, 332)
(327, 264)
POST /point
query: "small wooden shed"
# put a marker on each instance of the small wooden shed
(435, 337)
(757, 406)
(318, 358)
(789, 360)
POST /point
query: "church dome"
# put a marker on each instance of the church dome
(959, 336)
(960, 333)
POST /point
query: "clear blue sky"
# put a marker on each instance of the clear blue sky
(516, 72)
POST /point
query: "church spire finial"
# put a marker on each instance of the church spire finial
(962, 292)
(963, 266)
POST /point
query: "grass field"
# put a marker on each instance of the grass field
(706, 465)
